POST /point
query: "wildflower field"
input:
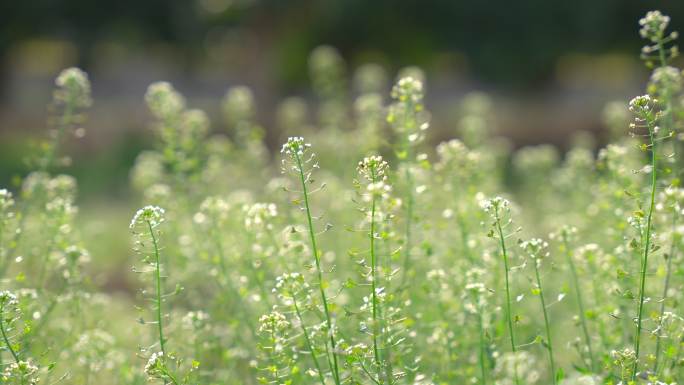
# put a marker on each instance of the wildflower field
(361, 252)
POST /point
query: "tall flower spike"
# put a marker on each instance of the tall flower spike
(653, 27)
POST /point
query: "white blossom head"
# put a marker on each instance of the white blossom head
(408, 89)
(73, 87)
(163, 100)
(239, 105)
(273, 323)
(6, 200)
(7, 299)
(151, 216)
(295, 146)
(373, 171)
(642, 105)
(496, 206)
(373, 168)
(653, 25)
(535, 248)
(155, 366)
(260, 215)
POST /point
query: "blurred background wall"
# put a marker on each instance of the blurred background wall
(550, 65)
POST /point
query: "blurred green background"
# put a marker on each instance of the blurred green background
(550, 65)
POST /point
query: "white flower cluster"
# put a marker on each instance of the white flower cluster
(624, 359)
(152, 215)
(273, 322)
(520, 364)
(163, 100)
(195, 125)
(6, 200)
(259, 215)
(195, 320)
(673, 199)
(641, 105)
(495, 205)
(25, 370)
(238, 104)
(289, 285)
(213, 210)
(536, 248)
(653, 25)
(408, 89)
(374, 170)
(454, 157)
(73, 87)
(667, 78)
(295, 146)
(154, 365)
(7, 299)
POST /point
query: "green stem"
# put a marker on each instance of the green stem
(546, 322)
(314, 249)
(666, 288)
(65, 122)
(373, 274)
(158, 288)
(647, 246)
(409, 222)
(483, 372)
(504, 253)
(308, 340)
(4, 334)
(169, 375)
(580, 302)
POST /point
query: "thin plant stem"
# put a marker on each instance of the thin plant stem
(373, 274)
(4, 335)
(409, 223)
(546, 322)
(647, 246)
(309, 345)
(580, 302)
(409, 204)
(158, 288)
(666, 288)
(319, 271)
(509, 318)
(483, 371)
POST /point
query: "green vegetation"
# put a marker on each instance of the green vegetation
(303, 269)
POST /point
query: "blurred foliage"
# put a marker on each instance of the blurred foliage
(510, 43)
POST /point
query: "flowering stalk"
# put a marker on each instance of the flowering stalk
(373, 169)
(643, 107)
(565, 233)
(537, 249)
(72, 94)
(157, 277)
(673, 197)
(295, 149)
(495, 207)
(404, 116)
(146, 220)
(290, 287)
(7, 299)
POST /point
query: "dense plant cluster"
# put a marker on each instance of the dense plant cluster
(420, 266)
